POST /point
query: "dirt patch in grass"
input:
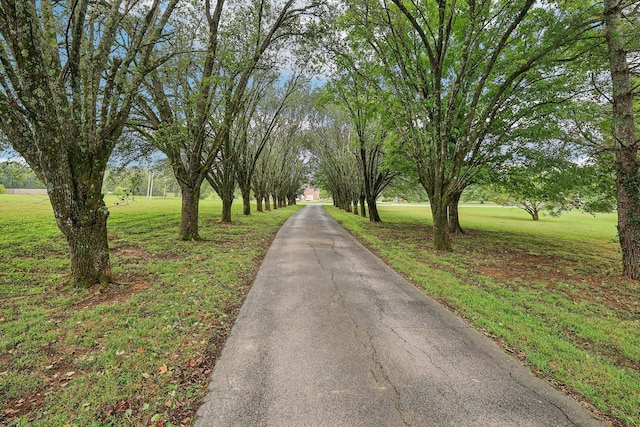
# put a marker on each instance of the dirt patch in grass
(58, 369)
(134, 252)
(614, 292)
(55, 376)
(522, 266)
(504, 261)
(115, 292)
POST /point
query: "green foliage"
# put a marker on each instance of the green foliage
(406, 188)
(18, 175)
(465, 83)
(476, 193)
(3, 190)
(547, 179)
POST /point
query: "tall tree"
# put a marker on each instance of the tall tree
(261, 115)
(189, 118)
(622, 20)
(338, 169)
(463, 75)
(371, 133)
(69, 73)
(281, 167)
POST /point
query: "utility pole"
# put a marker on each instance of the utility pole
(150, 185)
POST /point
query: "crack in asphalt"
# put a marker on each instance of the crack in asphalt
(492, 357)
(542, 398)
(381, 376)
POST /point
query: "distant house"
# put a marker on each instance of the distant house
(311, 195)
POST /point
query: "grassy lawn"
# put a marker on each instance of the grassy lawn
(138, 352)
(549, 292)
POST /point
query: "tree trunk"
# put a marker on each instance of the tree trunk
(363, 208)
(86, 234)
(227, 202)
(259, 203)
(628, 205)
(454, 219)
(267, 203)
(626, 146)
(441, 240)
(355, 207)
(374, 216)
(189, 216)
(246, 201)
(275, 202)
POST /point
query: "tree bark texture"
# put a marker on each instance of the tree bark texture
(363, 208)
(83, 221)
(64, 100)
(439, 208)
(189, 213)
(626, 145)
(454, 217)
(227, 203)
(246, 202)
(374, 216)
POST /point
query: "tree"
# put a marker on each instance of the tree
(338, 170)
(541, 181)
(262, 114)
(281, 168)
(69, 74)
(622, 20)
(371, 133)
(460, 77)
(191, 104)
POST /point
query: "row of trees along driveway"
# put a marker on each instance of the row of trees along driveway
(72, 73)
(469, 85)
(461, 85)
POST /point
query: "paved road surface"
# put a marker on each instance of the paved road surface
(330, 336)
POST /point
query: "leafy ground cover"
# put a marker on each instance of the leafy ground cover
(139, 351)
(549, 292)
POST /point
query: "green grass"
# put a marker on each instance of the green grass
(140, 351)
(549, 292)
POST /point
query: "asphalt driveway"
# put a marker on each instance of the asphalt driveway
(330, 336)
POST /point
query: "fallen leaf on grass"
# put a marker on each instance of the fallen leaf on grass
(164, 369)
